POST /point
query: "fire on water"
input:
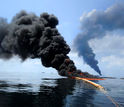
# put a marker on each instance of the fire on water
(90, 78)
(98, 87)
(93, 83)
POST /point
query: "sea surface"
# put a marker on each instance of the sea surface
(47, 89)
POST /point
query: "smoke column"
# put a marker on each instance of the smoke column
(31, 36)
(96, 24)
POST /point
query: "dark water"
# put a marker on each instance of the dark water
(34, 89)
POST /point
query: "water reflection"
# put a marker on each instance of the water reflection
(83, 95)
(49, 92)
(48, 96)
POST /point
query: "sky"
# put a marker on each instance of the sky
(110, 54)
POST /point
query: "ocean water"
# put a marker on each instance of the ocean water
(47, 89)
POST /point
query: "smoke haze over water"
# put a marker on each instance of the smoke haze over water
(96, 24)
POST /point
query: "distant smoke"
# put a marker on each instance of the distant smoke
(96, 24)
(30, 36)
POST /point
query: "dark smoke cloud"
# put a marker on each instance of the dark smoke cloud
(96, 24)
(3, 31)
(31, 36)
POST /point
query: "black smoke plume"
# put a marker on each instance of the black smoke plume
(31, 36)
(96, 24)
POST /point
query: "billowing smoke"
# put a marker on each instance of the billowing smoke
(31, 36)
(96, 24)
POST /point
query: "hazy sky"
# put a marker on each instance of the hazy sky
(69, 12)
